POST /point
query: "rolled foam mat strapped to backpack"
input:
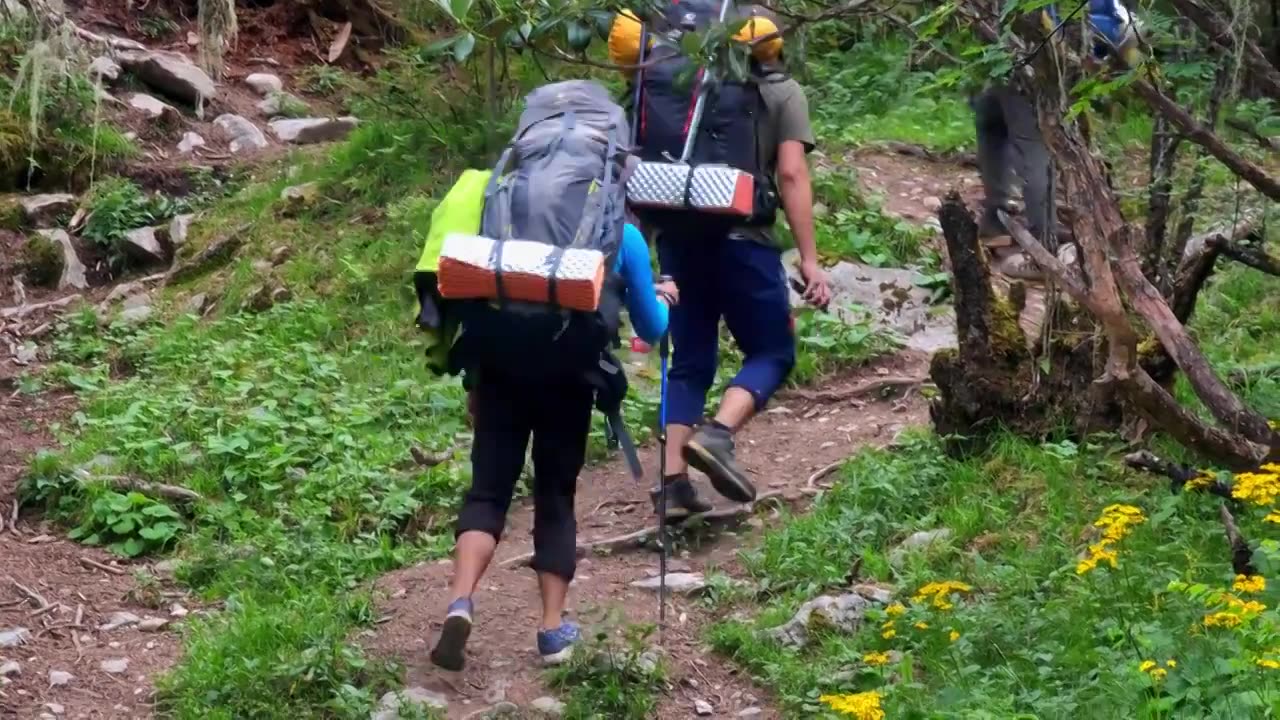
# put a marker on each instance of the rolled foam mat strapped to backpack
(469, 269)
(717, 189)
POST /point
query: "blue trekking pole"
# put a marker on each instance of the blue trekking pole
(664, 351)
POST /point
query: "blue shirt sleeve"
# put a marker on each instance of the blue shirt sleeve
(648, 313)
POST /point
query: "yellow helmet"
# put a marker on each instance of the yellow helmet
(624, 39)
(761, 27)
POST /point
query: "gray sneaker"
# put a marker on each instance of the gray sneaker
(682, 498)
(711, 451)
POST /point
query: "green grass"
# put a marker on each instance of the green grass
(1036, 638)
(868, 95)
(614, 674)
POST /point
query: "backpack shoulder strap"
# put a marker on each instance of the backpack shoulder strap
(593, 213)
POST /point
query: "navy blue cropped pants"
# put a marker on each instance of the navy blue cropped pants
(744, 283)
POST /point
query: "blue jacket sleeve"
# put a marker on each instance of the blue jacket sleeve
(648, 313)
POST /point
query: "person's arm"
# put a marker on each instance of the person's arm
(795, 140)
(648, 313)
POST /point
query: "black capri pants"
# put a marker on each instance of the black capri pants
(557, 414)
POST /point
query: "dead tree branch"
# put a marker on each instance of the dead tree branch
(1206, 138)
(1218, 30)
(844, 394)
(1252, 131)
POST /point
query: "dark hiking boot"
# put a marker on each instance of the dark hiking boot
(682, 497)
(711, 451)
(449, 652)
(990, 227)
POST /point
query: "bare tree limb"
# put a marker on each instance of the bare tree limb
(1199, 134)
(1252, 131)
(835, 396)
(1218, 30)
(1252, 255)
(1148, 302)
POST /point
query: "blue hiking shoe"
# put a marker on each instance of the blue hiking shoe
(555, 646)
(449, 650)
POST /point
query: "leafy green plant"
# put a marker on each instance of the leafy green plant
(116, 206)
(831, 341)
(129, 524)
(854, 227)
(612, 674)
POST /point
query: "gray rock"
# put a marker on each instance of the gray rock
(13, 637)
(242, 133)
(154, 108)
(152, 624)
(55, 708)
(176, 610)
(26, 354)
(180, 229)
(10, 669)
(114, 666)
(391, 703)
(72, 269)
(136, 300)
(702, 708)
(105, 69)
(189, 142)
(500, 710)
(118, 620)
(43, 209)
(843, 613)
(890, 298)
(925, 538)
(281, 103)
(165, 569)
(136, 316)
(170, 73)
(264, 83)
(1019, 266)
(932, 204)
(547, 707)
(678, 583)
(305, 131)
(60, 678)
(144, 246)
(195, 304)
(297, 198)
(750, 712)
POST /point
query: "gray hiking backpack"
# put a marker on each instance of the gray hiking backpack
(566, 188)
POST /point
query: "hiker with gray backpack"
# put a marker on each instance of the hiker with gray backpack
(537, 289)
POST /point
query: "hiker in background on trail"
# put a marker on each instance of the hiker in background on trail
(725, 269)
(1010, 141)
(536, 274)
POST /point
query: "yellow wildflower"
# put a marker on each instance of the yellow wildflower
(1147, 665)
(1201, 481)
(1249, 584)
(922, 625)
(895, 610)
(1152, 668)
(889, 634)
(1260, 488)
(1268, 663)
(955, 635)
(1271, 467)
(1098, 553)
(1222, 620)
(1159, 674)
(863, 706)
(1273, 424)
(1273, 517)
(939, 593)
(1171, 664)
(876, 658)
(1117, 521)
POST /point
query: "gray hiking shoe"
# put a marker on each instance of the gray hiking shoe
(682, 497)
(990, 227)
(711, 451)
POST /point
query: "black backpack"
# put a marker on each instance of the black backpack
(728, 132)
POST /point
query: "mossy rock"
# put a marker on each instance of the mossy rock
(11, 215)
(41, 261)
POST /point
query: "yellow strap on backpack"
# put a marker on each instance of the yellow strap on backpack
(459, 212)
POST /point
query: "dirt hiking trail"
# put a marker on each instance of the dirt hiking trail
(781, 449)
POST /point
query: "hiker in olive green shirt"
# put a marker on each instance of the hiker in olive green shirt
(738, 276)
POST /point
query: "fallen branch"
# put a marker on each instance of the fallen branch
(155, 491)
(640, 536)
(1179, 475)
(824, 471)
(1241, 555)
(834, 396)
(22, 311)
(1252, 255)
(32, 595)
(94, 564)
